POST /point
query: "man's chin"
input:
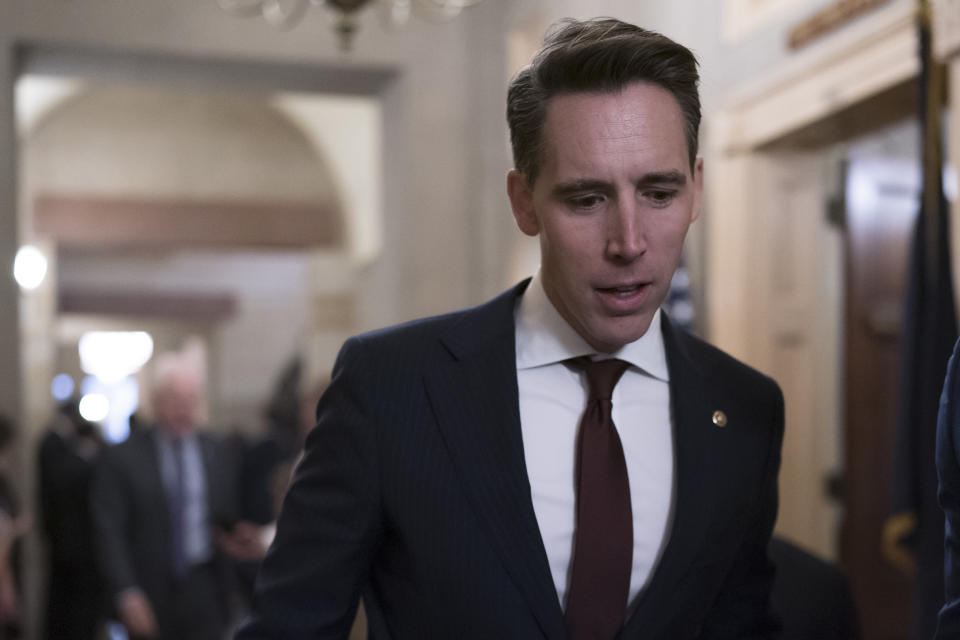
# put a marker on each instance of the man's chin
(615, 339)
(178, 430)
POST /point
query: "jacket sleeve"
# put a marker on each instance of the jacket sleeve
(310, 582)
(948, 473)
(743, 609)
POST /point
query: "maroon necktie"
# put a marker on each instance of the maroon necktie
(603, 542)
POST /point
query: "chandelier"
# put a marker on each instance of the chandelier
(286, 14)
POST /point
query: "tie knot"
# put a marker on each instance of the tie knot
(602, 375)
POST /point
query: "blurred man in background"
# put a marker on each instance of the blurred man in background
(157, 500)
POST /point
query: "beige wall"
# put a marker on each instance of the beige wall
(10, 381)
(347, 132)
(151, 142)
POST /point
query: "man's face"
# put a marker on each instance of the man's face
(176, 404)
(612, 204)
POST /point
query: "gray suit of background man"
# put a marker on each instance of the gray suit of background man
(160, 481)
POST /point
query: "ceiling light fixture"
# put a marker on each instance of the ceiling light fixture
(286, 14)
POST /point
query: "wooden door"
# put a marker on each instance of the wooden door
(881, 202)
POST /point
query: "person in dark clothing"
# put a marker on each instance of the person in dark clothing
(467, 476)
(75, 591)
(13, 524)
(812, 596)
(266, 466)
(155, 502)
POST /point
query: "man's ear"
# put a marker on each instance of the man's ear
(521, 200)
(697, 188)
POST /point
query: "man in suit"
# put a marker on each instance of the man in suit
(155, 502)
(561, 462)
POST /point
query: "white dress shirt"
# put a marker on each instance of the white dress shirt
(553, 396)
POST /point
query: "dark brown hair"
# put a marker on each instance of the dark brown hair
(603, 55)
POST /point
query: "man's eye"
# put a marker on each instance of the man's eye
(659, 197)
(586, 202)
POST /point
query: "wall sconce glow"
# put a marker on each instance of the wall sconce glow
(94, 407)
(29, 267)
(111, 356)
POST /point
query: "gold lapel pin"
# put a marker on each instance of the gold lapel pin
(719, 418)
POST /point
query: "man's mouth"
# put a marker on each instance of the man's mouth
(624, 299)
(623, 291)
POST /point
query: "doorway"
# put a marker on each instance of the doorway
(814, 297)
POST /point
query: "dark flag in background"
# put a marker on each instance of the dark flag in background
(913, 535)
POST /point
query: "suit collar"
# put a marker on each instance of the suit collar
(484, 327)
(473, 390)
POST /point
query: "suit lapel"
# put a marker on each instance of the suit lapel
(473, 391)
(693, 402)
(149, 454)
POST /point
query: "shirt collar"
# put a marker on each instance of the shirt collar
(543, 337)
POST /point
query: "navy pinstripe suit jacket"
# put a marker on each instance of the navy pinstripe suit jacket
(413, 492)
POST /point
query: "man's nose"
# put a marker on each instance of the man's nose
(626, 238)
